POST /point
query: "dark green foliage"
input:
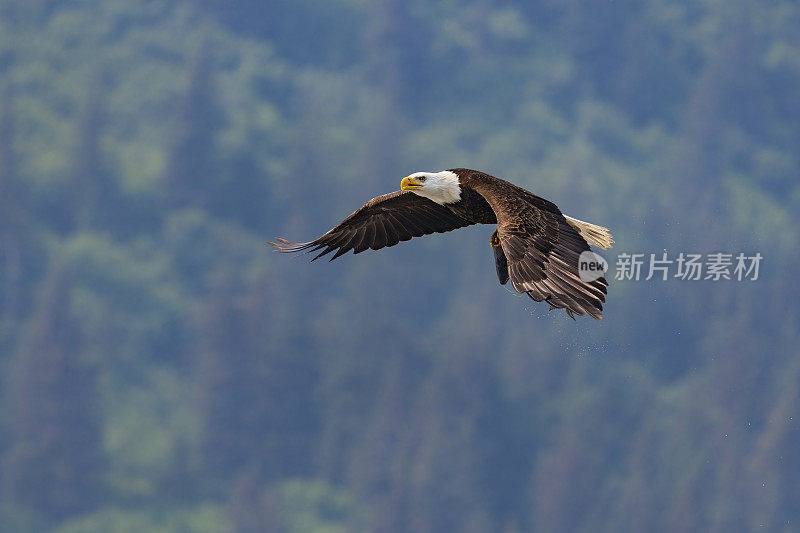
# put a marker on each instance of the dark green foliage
(164, 371)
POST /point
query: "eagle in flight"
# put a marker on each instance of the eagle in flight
(535, 245)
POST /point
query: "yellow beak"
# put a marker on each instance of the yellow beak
(409, 183)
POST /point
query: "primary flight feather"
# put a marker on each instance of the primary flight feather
(536, 247)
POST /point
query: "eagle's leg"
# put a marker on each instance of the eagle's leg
(494, 240)
(500, 261)
(569, 311)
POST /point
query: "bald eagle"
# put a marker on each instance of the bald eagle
(535, 245)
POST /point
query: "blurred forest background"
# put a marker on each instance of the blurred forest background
(163, 370)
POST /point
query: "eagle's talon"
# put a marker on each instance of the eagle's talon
(569, 312)
(494, 239)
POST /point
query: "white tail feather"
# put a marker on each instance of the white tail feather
(594, 235)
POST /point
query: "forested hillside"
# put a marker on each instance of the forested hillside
(164, 371)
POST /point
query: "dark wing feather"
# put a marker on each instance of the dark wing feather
(381, 222)
(542, 251)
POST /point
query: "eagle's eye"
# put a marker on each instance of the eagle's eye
(422, 178)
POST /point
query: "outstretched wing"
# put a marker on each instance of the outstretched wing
(383, 221)
(542, 250)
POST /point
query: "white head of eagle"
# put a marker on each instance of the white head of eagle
(441, 187)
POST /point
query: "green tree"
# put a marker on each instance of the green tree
(257, 412)
(385, 39)
(10, 249)
(53, 464)
(191, 169)
(94, 192)
(227, 385)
